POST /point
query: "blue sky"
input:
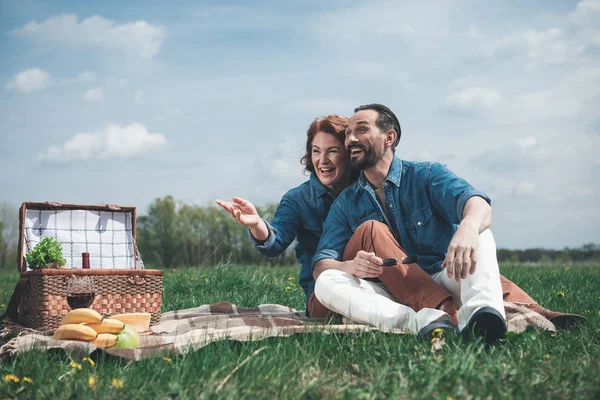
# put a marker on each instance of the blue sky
(104, 102)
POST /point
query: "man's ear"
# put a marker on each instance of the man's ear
(390, 137)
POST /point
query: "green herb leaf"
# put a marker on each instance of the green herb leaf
(47, 251)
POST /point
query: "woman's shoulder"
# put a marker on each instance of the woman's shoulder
(299, 191)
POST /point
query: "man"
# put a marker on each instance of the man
(422, 208)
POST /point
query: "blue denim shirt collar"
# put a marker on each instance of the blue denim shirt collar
(317, 186)
(394, 175)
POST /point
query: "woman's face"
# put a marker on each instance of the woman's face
(330, 159)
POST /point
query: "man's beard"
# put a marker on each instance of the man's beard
(369, 159)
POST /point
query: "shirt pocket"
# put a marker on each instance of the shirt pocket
(426, 235)
(374, 216)
(419, 219)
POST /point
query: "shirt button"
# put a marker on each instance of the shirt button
(391, 205)
(419, 223)
(384, 183)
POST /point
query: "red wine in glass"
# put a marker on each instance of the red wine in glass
(80, 292)
(80, 300)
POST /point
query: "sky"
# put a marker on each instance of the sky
(123, 102)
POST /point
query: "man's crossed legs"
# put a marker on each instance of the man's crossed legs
(407, 297)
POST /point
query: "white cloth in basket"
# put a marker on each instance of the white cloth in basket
(106, 235)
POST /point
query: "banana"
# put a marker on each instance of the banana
(108, 325)
(75, 332)
(82, 315)
(105, 340)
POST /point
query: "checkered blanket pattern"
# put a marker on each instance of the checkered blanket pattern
(106, 235)
(186, 330)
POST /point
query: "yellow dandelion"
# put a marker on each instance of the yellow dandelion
(27, 379)
(288, 288)
(92, 382)
(11, 378)
(292, 285)
(167, 359)
(92, 363)
(567, 268)
(291, 278)
(449, 398)
(2, 305)
(553, 334)
(435, 339)
(117, 383)
(560, 294)
(547, 356)
(75, 365)
(437, 333)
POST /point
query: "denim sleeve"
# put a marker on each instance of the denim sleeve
(449, 193)
(336, 234)
(282, 230)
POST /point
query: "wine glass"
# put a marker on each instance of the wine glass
(80, 292)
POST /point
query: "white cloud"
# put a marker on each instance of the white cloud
(119, 82)
(114, 141)
(527, 142)
(29, 80)
(323, 106)
(93, 95)
(474, 98)
(140, 37)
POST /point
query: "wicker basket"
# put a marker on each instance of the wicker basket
(43, 302)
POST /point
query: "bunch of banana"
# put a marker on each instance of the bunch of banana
(87, 325)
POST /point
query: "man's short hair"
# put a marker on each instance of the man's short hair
(386, 120)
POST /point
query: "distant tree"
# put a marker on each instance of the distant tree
(9, 235)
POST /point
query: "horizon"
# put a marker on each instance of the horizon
(125, 103)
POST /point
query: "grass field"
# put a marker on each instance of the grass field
(353, 366)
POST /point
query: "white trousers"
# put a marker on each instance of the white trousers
(371, 303)
(367, 302)
(482, 289)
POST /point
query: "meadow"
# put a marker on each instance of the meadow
(533, 365)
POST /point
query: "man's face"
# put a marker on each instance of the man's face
(364, 140)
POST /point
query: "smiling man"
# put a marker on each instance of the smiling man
(407, 208)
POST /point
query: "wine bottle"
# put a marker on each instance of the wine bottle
(85, 260)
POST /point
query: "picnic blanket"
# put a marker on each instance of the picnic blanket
(187, 330)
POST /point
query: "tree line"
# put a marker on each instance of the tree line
(175, 234)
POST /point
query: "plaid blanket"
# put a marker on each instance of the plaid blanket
(187, 330)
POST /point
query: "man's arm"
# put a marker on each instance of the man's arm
(461, 257)
(336, 234)
(459, 203)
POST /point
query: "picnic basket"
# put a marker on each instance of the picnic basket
(108, 234)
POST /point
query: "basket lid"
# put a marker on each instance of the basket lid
(106, 232)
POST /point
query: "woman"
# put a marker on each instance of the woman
(303, 210)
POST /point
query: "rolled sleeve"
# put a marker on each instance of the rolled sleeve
(325, 255)
(267, 244)
(449, 193)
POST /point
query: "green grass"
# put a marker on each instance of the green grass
(353, 366)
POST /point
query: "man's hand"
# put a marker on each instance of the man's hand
(461, 257)
(365, 265)
(242, 211)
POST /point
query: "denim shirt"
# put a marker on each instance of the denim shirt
(300, 214)
(425, 203)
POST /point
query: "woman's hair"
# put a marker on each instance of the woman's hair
(332, 124)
